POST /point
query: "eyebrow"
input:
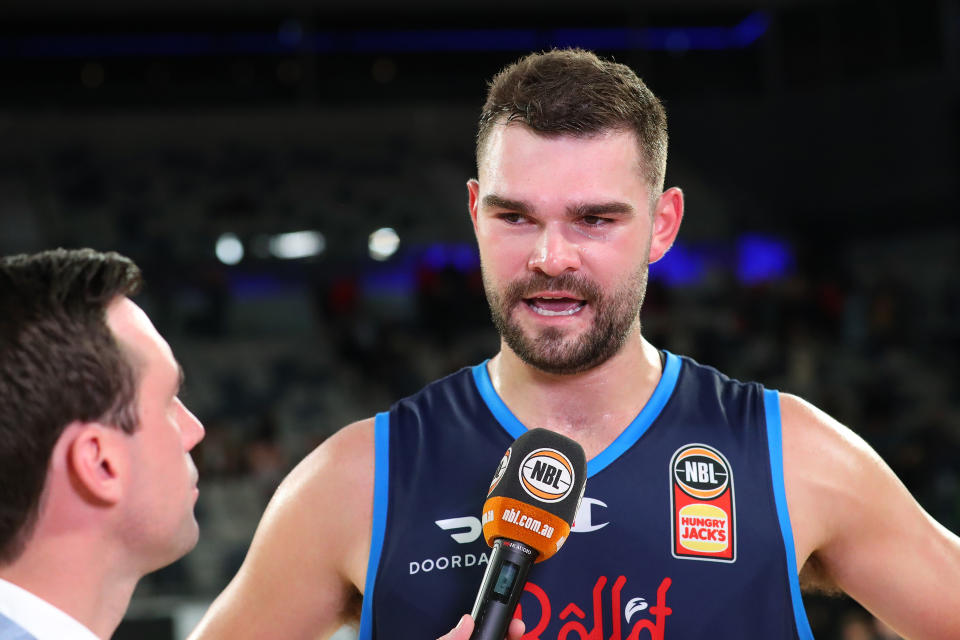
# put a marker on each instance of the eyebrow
(578, 210)
(493, 201)
(602, 208)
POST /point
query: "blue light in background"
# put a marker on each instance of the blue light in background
(398, 279)
(462, 256)
(466, 257)
(291, 38)
(249, 284)
(762, 258)
(435, 257)
(754, 258)
(752, 28)
(681, 266)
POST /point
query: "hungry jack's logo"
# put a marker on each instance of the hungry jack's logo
(702, 505)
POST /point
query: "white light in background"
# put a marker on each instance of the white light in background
(298, 244)
(383, 243)
(229, 249)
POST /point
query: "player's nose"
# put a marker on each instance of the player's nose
(554, 252)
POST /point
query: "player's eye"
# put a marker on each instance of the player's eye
(595, 221)
(512, 218)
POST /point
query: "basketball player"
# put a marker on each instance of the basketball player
(96, 479)
(708, 501)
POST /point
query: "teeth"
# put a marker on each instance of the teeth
(547, 312)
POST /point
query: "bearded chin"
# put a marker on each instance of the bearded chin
(556, 352)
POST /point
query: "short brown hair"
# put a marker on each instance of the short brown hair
(59, 362)
(574, 92)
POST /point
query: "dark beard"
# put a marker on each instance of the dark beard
(549, 351)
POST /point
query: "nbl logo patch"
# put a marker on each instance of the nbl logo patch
(547, 475)
(702, 505)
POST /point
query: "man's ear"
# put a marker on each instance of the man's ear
(666, 222)
(95, 458)
(473, 192)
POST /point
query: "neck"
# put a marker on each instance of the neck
(80, 578)
(592, 407)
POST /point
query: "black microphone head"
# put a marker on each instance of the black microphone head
(536, 491)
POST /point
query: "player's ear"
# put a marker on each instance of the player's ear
(473, 192)
(95, 457)
(667, 216)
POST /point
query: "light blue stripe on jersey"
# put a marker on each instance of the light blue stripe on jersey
(771, 402)
(381, 484)
(492, 399)
(640, 424)
(633, 432)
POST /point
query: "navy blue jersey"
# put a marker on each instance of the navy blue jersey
(683, 531)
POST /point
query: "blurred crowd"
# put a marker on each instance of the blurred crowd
(281, 354)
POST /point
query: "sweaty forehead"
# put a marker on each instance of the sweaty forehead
(521, 164)
(513, 140)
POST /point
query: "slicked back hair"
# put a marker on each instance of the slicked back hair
(59, 363)
(575, 93)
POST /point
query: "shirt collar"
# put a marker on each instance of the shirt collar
(43, 620)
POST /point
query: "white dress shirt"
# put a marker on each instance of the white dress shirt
(39, 617)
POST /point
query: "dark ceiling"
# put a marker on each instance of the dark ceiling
(349, 52)
(820, 113)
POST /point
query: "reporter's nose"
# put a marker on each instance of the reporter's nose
(191, 429)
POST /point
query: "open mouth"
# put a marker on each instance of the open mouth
(550, 306)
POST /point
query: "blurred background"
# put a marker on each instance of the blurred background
(290, 177)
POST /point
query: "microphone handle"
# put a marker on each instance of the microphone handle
(501, 588)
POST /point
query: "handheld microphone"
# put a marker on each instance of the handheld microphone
(530, 507)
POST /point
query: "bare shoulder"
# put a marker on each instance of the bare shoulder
(343, 463)
(816, 432)
(315, 531)
(860, 530)
(331, 493)
(826, 466)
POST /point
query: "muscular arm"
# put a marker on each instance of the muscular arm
(306, 565)
(855, 522)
